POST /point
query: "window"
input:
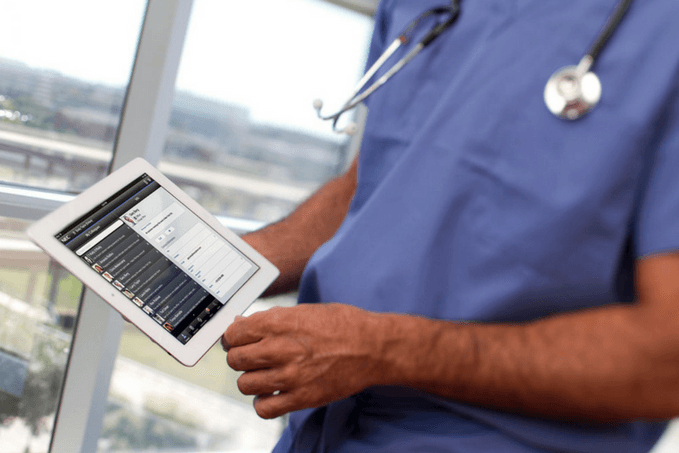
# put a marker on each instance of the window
(243, 139)
(38, 306)
(63, 76)
(64, 68)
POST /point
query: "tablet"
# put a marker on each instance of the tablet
(157, 257)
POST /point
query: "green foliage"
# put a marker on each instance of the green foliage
(7, 104)
(125, 429)
(9, 407)
(169, 410)
(211, 372)
(42, 117)
(42, 387)
(14, 282)
(17, 332)
(68, 294)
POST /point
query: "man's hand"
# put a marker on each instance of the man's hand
(611, 363)
(304, 356)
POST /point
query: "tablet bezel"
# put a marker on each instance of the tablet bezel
(43, 233)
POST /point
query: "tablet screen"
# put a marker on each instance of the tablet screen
(160, 255)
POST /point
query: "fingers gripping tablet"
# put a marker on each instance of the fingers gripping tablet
(157, 257)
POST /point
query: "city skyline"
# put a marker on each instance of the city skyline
(318, 50)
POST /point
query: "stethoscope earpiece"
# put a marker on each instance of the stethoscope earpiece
(360, 93)
(350, 128)
(570, 92)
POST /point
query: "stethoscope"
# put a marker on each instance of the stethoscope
(570, 92)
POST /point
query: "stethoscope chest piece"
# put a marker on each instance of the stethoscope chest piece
(573, 91)
(570, 92)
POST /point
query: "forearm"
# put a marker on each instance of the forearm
(617, 362)
(289, 243)
(603, 364)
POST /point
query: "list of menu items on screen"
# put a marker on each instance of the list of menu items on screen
(160, 255)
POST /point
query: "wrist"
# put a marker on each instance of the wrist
(425, 354)
(290, 270)
(398, 349)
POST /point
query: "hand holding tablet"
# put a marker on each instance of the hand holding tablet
(157, 257)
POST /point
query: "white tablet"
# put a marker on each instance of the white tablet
(157, 257)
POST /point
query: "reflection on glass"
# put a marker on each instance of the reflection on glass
(244, 139)
(38, 306)
(62, 84)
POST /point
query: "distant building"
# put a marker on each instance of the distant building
(87, 122)
(203, 134)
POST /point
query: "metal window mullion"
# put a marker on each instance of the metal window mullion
(141, 133)
(366, 7)
(29, 204)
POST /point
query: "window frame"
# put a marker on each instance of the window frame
(141, 133)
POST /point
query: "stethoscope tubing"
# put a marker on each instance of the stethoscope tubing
(578, 72)
(360, 94)
(607, 31)
(573, 91)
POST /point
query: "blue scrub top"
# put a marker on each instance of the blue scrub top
(474, 203)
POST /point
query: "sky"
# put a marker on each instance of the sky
(272, 56)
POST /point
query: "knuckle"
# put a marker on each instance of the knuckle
(225, 343)
(264, 410)
(244, 385)
(269, 318)
(261, 316)
(229, 337)
(276, 310)
(280, 315)
(288, 376)
(234, 360)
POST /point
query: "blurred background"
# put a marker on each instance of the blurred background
(241, 137)
(232, 124)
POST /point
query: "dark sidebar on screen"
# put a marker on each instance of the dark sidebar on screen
(104, 239)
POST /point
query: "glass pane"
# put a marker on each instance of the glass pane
(244, 141)
(63, 75)
(38, 307)
(157, 404)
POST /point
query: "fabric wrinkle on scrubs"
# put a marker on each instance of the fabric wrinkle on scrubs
(475, 204)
